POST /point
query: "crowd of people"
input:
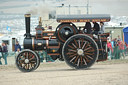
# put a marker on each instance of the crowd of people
(4, 51)
(117, 49)
(97, 28)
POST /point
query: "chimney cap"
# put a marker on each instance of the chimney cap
(27, 15)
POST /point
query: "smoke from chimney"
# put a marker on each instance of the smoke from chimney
(41, 9)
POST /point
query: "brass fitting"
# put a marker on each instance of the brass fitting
(40, 21)
(27, 15)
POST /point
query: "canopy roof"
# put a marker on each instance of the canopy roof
(84, 18)
(125, 29)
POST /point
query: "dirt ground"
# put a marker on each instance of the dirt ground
(114, 72)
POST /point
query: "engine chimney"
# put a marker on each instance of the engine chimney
(27, 23)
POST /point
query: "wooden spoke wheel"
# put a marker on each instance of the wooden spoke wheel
(64, 31)
(80, 51)
(27, 60)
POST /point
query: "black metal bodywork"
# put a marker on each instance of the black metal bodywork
(50, 40)
(58, 43)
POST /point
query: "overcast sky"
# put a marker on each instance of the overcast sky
(113, 7)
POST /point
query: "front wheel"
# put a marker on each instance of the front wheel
(80, 51)
(27, 60)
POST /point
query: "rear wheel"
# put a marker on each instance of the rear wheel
(27, 61)
(80, 51)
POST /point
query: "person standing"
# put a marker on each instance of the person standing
(112, 43)
(41, 56)
(88, 27)
(116, 53)
(117, 50)
(1, 55)
(121, 48)
(119, 39)
(5, 52)
(102, 27)
(96, 27)
(110, 49)
(17, 52)
(17, 46)
(126, 48)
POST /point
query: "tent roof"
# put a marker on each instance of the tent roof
(125, 29)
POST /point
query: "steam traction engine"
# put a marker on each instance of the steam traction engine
(68, 42)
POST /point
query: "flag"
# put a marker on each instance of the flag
(8, 28)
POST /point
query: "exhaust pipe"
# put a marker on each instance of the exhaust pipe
(27, 23)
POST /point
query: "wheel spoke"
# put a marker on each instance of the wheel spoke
(24, 65)
(87, 48)
(74, 45)
(30, 55)
(27, 54)
(84, 61)
(72, 55)
(78, 62)
(21, 61)
(89, 57)
(69, 53)
(71, 46)
(20, 64)
(84, 45)
(81, 60)
(89, 54)
(32, 58)
(79, 43)
(31, 65)
(28, 66)
(72, 59)
(87, 45)
(33, 61)
(90, 50)
(82, 41)
(76, 59)
(72, 50)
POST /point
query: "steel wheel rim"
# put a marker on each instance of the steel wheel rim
(71, 50)
(27, 61)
